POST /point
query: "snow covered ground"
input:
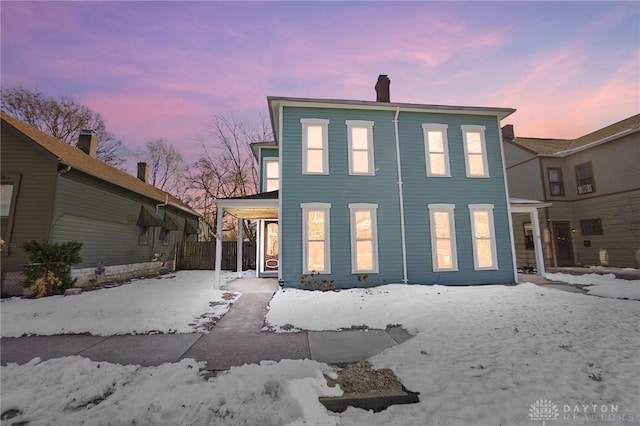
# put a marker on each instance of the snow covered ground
(486, 354)
(482, 355)
(605, 285)
(175, 303)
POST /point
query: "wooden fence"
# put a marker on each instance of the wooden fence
(202, 255)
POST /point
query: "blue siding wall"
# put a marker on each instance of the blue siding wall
(340, 189)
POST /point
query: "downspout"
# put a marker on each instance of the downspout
(166, 202)
(405, 280)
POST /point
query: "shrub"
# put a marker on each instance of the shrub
(49, 268)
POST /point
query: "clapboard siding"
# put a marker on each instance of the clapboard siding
(38, 173)
(104, 218)
(340, 189)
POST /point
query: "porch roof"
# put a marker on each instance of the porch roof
(263, 205)
(521, 205)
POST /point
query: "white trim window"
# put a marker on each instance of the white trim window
(271, 179)
(443, 237)
(316, 253)
(364, 238)
(484, 237)
(315, 146)
(475, 151)
(360, 137)
(436, 149)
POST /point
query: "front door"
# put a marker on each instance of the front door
(270, 247)
(562, 243)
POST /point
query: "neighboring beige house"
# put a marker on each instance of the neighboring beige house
(593, 185)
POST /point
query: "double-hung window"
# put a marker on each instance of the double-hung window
(271, 174)
(475, 151)
(436, 149)
(360, 137)
(443, 237)
(556, 184)
(364, 238)
(584, 178)
(315, 146)
(316, 253)
(483, 235)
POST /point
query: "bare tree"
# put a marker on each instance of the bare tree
(227, 167)
(167, 168)
(62, 118)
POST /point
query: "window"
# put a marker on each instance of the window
(443, 237)
(591, 226)
(584, 179)
(436, 148)
(475, 151)
(165, 235)
(315, 155)
(315, 231)
(271, 174)
(364, 238)
(483, 234)
(556, 184)
(360, 136)
(143, 238)
(8, 195)
(528, 235)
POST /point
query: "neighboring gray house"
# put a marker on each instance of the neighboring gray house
(593, 185)
(52, 191)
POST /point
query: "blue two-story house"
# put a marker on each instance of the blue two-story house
(363, 193)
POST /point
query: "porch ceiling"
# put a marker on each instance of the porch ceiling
(253, 213)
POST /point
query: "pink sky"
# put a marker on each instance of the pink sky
(162, 69)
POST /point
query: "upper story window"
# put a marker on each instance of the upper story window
(443, 237)
(315, 149)
(316, 254)
(360, 136)
(556, 183)
(364, 238)
(475, 151)
(271, 179)
(484, 238)
(436, 149)
(584, 179)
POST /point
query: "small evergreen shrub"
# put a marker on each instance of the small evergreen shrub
(49, 268)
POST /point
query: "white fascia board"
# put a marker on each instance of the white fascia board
(273, 101)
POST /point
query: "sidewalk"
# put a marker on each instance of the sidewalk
(236, 340)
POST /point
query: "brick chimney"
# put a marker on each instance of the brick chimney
(382, 88)
(143, 172)
(88, 142)
(508, 133)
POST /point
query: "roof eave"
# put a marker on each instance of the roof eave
(275, 101)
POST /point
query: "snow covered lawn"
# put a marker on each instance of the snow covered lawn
(605, 285)
(485, 354)
(481, 356)
(175, 303)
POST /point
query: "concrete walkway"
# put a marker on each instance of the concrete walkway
(237, 339)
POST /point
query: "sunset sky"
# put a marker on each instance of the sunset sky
(163, 69)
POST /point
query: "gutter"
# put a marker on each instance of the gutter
(405, 280)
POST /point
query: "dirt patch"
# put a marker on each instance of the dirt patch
(361, 378)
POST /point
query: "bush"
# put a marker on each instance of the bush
(49, 268)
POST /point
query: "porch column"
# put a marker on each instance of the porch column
(239, 250)
(217, 271)
(537, 242)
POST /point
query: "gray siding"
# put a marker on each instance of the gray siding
(104, 218)
(616, 201)
(340, 189)
(38, 173)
